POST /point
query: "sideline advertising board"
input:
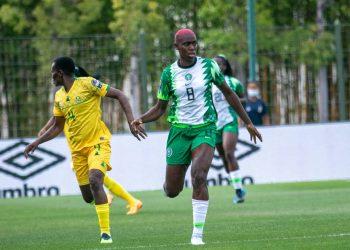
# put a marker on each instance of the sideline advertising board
(287, 154)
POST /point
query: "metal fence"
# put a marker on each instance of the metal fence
(289, 81)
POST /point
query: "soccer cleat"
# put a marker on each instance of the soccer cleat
(197, 241)
(110, 198)
(134, 208)
(239, 197)
(106, 238)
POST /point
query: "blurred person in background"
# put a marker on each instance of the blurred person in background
(255, 106)
(227, 127)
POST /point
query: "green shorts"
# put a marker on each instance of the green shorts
(182, 141)
(231, 127)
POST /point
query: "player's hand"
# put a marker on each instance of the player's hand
(137, 130)
(253, 133)
(30, 149)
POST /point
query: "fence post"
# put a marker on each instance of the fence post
(143, 72)
(340, 74)
(251, 40)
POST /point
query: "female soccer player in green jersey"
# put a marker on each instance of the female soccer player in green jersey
(77, 112)
(188, 83)
(227, 127)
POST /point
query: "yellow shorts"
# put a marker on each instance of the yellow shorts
(94, 157)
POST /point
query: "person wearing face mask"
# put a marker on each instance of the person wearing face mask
(255, 106)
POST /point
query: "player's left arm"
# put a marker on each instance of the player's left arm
(234, 102)
(124, 102)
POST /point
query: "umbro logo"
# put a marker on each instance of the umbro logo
(13, 163)
(243, 150)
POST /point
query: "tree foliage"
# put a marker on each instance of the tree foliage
(287, 36)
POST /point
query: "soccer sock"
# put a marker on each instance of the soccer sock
(236, 179)
(118, 189)
(200, 209)
(103, 217)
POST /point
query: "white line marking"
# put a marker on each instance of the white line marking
(232, 241)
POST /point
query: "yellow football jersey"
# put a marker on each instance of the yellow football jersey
(82, 112)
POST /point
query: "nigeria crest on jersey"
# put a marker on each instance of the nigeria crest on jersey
(188, 77)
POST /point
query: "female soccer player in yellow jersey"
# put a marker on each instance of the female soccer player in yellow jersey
(77, 106)
(114, 188)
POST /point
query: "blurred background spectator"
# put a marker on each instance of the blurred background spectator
(255, 106)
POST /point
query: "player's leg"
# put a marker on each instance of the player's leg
(113, 187)
(221, 152)
(87, 194)
(202, 157)
(134, 205)
(80, 167)
(96, 177)
(178, 158)
(174, 180)
(88, 181)
(230, 138)
(220, 149)
(98, 161)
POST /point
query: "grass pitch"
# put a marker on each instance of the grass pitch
(314, 215)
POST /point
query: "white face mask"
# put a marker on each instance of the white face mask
(253, 93)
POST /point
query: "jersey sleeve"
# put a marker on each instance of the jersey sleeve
(56, 109)
(239, 88)
(165, 85)
(218, 77)
(97, 87)
(230, 83)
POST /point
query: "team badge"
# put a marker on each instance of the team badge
(77, 99)
(96, 83)
(188, 77)
(169, 152)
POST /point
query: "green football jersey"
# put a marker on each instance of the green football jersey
(226, 113)
(190, 89)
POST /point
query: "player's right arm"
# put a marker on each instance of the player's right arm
(163, 95)
(49, 123)
(153, 113)
(51, 133)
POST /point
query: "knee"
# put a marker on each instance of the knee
(171, 193)
(88, 199)
(96, 181)
(199, 178)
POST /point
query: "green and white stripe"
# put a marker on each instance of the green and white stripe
(226, 113)
(190, 90)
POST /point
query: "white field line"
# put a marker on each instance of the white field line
(232, 241)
